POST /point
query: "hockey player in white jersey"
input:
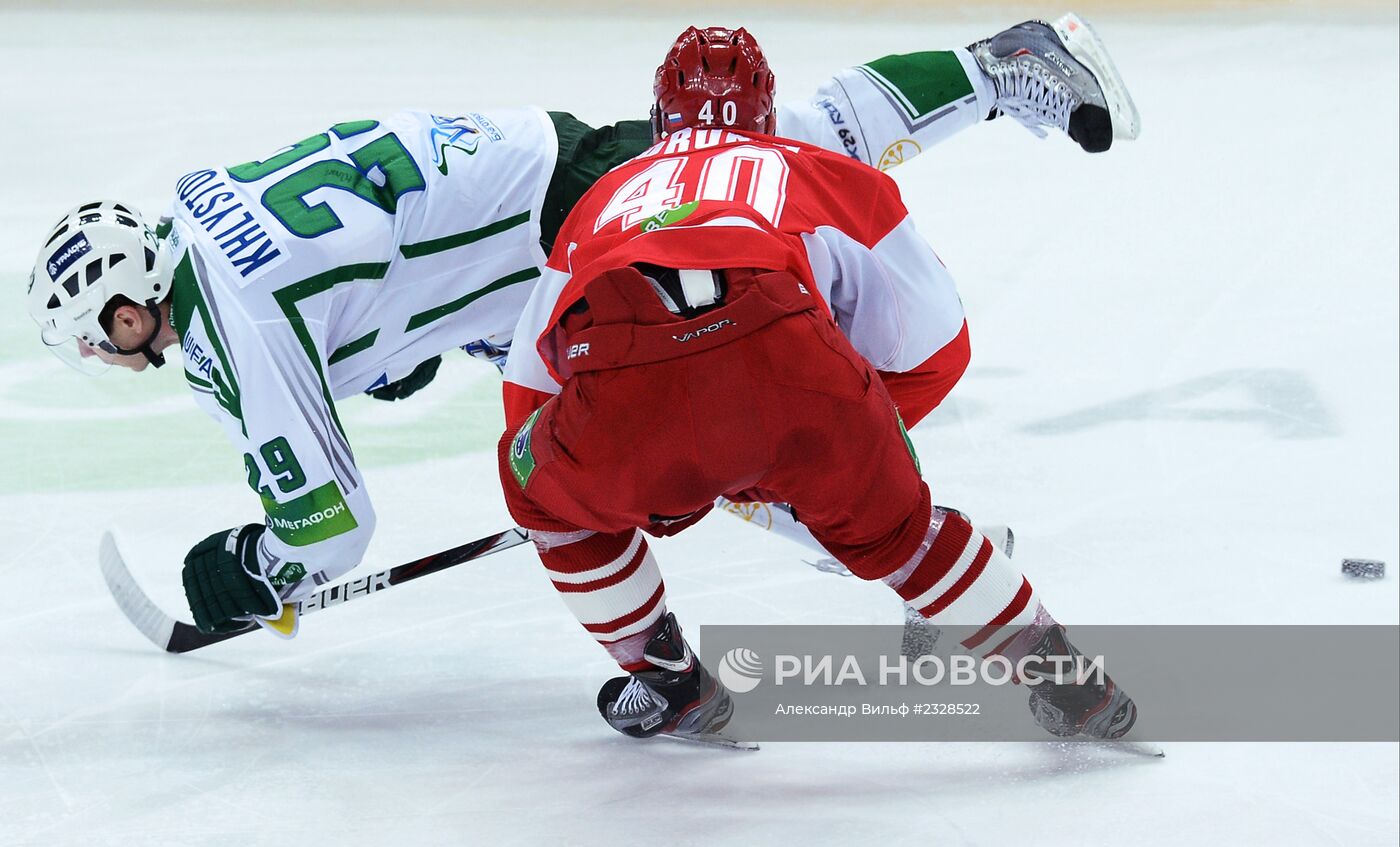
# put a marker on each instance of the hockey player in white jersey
(343, 263)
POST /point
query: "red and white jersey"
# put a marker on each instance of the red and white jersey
(721, 199)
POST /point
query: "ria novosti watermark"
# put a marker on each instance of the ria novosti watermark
(742, 669)
(1190, 683)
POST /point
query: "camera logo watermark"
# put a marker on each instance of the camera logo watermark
(741, 670)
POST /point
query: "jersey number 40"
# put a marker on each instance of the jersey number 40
(759, 173)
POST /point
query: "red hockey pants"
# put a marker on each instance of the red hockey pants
(761, 399)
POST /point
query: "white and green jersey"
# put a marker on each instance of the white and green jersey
(336, 265)
(340, 263)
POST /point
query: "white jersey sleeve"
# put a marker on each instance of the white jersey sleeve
(525, 368)
(894, 299)
(256, 379)
(890, 110)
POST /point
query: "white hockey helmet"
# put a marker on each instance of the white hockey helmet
(97, 252)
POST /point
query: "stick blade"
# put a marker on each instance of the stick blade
(145, 615)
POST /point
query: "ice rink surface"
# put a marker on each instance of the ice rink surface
(1183, 398)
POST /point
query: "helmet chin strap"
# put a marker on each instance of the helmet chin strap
(657, 131)
(156, 359)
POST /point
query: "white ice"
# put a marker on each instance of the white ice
(1183, 399)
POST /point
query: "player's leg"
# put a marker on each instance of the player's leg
(610, 582)
(588, 459)
(871, 509)
(1060, 76)
(607, 577)
(650, 440)
(1056, 76)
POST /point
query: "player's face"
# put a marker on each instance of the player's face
(136, 362)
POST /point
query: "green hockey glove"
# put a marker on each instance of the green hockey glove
(224, 582)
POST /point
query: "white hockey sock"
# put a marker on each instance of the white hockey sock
(958, 577)
(611, 584)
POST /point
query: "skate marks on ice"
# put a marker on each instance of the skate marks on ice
(1283, 402)
(33, 392)
(960, 408)
(938, 769)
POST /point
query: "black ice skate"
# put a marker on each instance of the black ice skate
(1093, 709)
(1059, 76)
(677, 697)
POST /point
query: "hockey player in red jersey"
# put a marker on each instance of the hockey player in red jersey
(736, 314)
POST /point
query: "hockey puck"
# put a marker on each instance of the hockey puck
(1363, 568)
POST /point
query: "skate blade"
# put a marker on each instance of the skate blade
(712, 739)
(1086, 46)
(920, 637)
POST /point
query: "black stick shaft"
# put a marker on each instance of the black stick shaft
(186, 637)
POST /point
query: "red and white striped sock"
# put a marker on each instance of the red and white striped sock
(611, 583)
(958, 577)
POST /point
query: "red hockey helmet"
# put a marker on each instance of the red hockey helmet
(713, 77)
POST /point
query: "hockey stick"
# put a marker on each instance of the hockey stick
(176, 636)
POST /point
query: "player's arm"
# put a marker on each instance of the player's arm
(885, 111)
(528, 382)
(317, 518)
(895, 300)
(919, 390)
(317, 511)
